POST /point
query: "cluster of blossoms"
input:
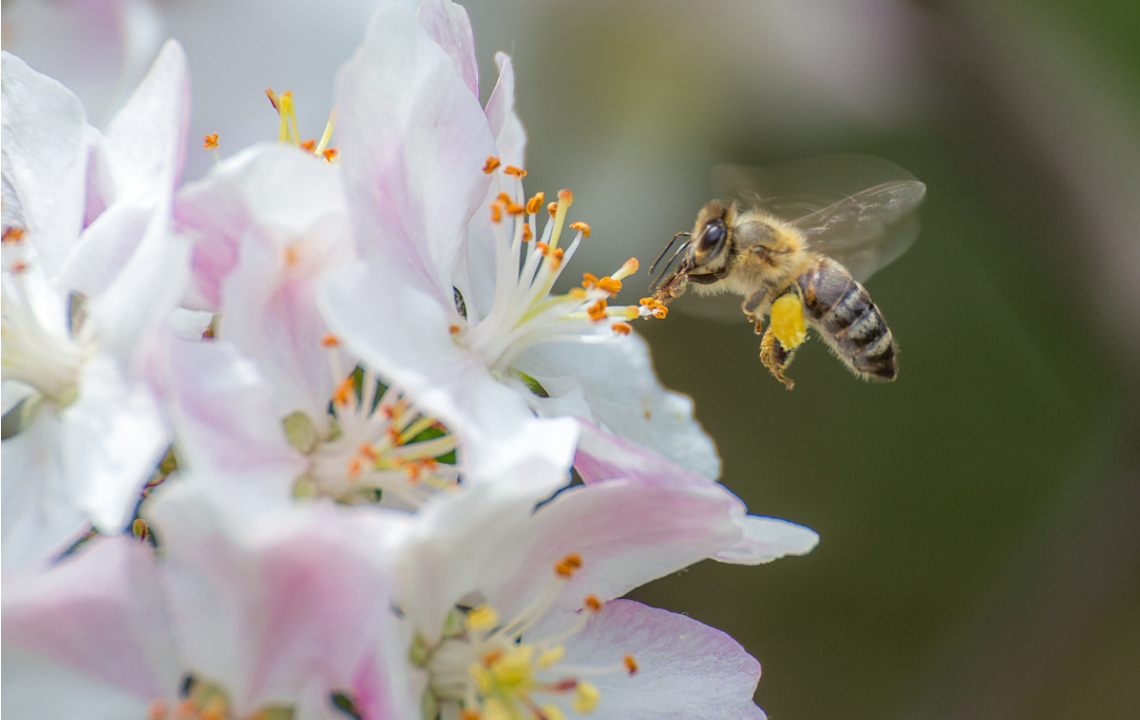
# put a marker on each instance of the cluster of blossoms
(314, 436)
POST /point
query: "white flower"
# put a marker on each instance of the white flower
(500, 583)
(452, 300)
(236, 615)
(90, 273)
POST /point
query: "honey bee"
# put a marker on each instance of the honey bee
(796, 258)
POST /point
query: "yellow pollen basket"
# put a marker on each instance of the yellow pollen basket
(787, 321)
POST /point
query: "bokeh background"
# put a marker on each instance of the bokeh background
(980, 517)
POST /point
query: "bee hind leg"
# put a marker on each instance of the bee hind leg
(776, 357)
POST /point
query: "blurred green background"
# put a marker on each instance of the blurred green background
(980, 517)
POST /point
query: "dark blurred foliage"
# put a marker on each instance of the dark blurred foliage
(980, 517)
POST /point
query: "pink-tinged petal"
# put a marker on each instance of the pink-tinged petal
(136, 169)
(510, 137)
(413, 142)
(619, 388)
(40, 515)
(113, 436)
(225, 417)
(685, 669)
(602, 457)
(401, 333)
(281, 217)
(491, 538)
(275, 603)
(448, 25)
(98, 620)
(44, 160)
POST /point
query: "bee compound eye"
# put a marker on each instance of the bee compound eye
(712, 236)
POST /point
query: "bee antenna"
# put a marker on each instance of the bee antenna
(684, 246)
(680, 234)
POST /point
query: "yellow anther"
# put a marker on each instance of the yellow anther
(344, 391)
(515, 667)
(527, 234)
(551, 656)
(787, 321)
(515, 171)
(496, 213)
(211, 142)
(550, 711)
(610, 284)
(581, 227)
(552, 208)
(491, 164)
(482, 617)
(586, 696)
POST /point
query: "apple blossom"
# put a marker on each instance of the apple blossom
(91, 272)
(452, 297)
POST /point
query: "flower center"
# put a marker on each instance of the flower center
(203, 701)
(378, 444)
(483, 668)
(35, 350)
(524, 312)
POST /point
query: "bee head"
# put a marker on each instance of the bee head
(712, 236)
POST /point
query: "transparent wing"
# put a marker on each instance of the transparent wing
(857, 209)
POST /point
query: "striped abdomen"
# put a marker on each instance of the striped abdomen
(842, 312)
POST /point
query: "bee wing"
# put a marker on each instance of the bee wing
(857, 209)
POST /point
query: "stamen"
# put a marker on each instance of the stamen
(330, 154)
(496, 213)
(631, 665)
(581, 227)
(13, 234)
(597, 311)
(330, 341)
(592, 603)
(491, 164)
(622, 328)
(514, 171)
(586, 697)
(567, 566)
(211, 142)
(533, 205)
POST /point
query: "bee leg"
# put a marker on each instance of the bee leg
(776, 357)
(755, 307)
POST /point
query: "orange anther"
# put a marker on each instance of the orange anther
(552, 208)
(513, 209)
(542, 247)
(597, 311)
(630, 664)
(535, 203)
(453, 329)
(568, 565)
(496, 213)
(310, 145)
(468, 714)
(592, 603)
(581, 226)
(589, 280)
(622, 328)
(13, 234)
(610, 285)
(556, 257)
(329, 154)
(18, 267)
(516, 171)
(272, 98)
(210, 142)
(292, 256)
(527, 234)
(330, 341)
(344, 391)
(491, 164)
(368, 451)
(504, 198)
(156, 711)
(355, 467)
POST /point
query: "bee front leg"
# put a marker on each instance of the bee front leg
(755, 307)
(776, 357)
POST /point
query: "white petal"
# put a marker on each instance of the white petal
(449, 26)
(401, 332)
(44, 160)
(41, 516)
(620, 388)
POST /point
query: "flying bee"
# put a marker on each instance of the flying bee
(797, 258)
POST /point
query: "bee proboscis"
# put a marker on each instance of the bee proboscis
(800, 258)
